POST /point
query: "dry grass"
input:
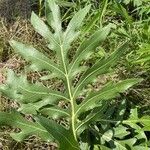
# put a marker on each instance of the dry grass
(32, 143)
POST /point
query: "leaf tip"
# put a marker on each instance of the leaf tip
(139, 80)
(136, 81)
(33, 15)
(88, 7)
(11, 42)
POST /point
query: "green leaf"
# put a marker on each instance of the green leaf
(121, 111)
(98, 16)
(91, 23)
(64, 136)
(107, 136)
(104, 147)
(39, 60)
(65, 4)
(72, 31)
(110, 91)
(40, 27)
(117, 139)
(27, 127)
(134, 119)
(44, 31)
(92, 115)
(99, 68)
(121, 10)
(30, 96)
(55, 112)
(87, 48)
(53, 16)
(77, 21)
(103, 114)
(121, 132)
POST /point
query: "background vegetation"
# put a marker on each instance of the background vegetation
(129, 20)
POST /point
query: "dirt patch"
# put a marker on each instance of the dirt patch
(9, 9)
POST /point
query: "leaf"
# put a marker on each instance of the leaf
(120, 112)
(103, 10)
(33, 95)
(108, 92)
(119, 137)
(99, 68)
(120, 132)
(65, 4)
(102, 114)
(72, 29)
(84, 146)
(40, 27)
(94, 116)
(91, 23)
(53, 16)
(104, 147)
(32, 108)
(55, 112)
(122, 142)
(44, 31)
(107, 136)
(74, 24)
(27, 127)
(121, 10)
(62, 135)
(91, 115)
(98, 16)
(134, 119)
(39, 60)
(87, 48)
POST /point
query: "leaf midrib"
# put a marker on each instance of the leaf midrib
(49, 65)
(87, 101)
(103, 66)
(70, 94)
(25, 124)
(89, 118)
(44, 93)
(58, 110)
(78, 57)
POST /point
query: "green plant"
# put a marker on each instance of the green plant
(135, 2)
(141, 57)
(81, 117)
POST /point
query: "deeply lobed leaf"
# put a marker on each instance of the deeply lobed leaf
(61, 134)
(28, 128)
(37, 99)
(30, 96)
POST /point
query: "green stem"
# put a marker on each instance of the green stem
(70, 95)
(103, 10)
(40, 7)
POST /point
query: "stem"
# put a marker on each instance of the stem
(70, 95)
(40, 7)
(103, 10)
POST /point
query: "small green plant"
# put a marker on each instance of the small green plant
(87, 122)
(135, 2)
(141, 57)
